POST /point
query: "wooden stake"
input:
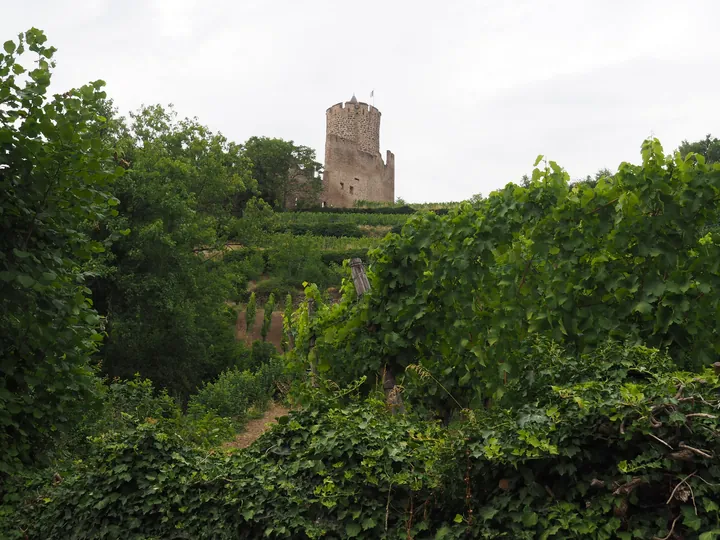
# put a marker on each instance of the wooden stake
(392, 393)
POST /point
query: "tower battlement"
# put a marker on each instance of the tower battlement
(355, 121)
(354, 167)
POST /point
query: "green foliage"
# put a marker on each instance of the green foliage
(235, 391)
(261, 353)
(250, 312)
(287, 340)
(294, 259)
(630, 258)
(614, 444)
(127, 404)
(285, 172)
(55, 173)
(164, 298)
(247, 262)
(325, 471)
(393, 210)
(276, 286)
(258, 220)
(347, 230)
(401, 204)
(337, 257)
(268, 309)
(357, 216)
(709, 148)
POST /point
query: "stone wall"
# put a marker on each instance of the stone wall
(357, 122)
(354, 167)
(351, 175)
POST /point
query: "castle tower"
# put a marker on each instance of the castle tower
(354, 168)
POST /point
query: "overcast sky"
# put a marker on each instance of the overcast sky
(470, 91)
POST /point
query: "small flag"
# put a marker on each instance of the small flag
(372, 93)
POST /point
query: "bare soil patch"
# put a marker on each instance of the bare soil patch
(274, 335)
(257, 427)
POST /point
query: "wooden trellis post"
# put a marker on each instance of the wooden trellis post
(362, 285)
(392, 394)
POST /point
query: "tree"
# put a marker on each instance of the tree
(250, 311)
(268, 309)
(592, 181)
(284, 171)
(213, 169)
(709, 148)
(258, 220)
(161, 289)
(287, 323)
(55, 173)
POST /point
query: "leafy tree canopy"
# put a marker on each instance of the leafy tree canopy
(163, 295)
(284, 171)
(55, 179)
(709, 148)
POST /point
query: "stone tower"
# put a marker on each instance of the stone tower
(354, 168)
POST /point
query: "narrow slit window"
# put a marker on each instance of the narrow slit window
(351, 189)
(342, 185)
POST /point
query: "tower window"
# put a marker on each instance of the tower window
(342, 185)
(351, 189)
(357, 179)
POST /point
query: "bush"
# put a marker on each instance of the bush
(268, 309)
(325, 472)
(616, 444)
(262, 353)
(354, 218)
(250, 311)
(337, 257)
(597, 446)
(249, 262)
(128, 403)
(294, 259)
(273, 285)
(378, 210)
(336, 229)
(235, 391)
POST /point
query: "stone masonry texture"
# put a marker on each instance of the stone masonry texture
(354, 167)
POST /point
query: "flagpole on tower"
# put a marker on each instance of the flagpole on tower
(372, 96)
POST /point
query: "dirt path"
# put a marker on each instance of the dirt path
(255, 428)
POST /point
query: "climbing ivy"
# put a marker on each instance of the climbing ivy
(614, 444)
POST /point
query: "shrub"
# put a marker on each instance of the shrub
(287, 318)
(268, 309)
(235, 391)
(56, 172)
(616, 444)
(249, 261)
(378, 210)
(128, 403)
(262, 353)
(337, 229)
(250, 311)
(274, 285)
(337, 257)
(328, 471)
